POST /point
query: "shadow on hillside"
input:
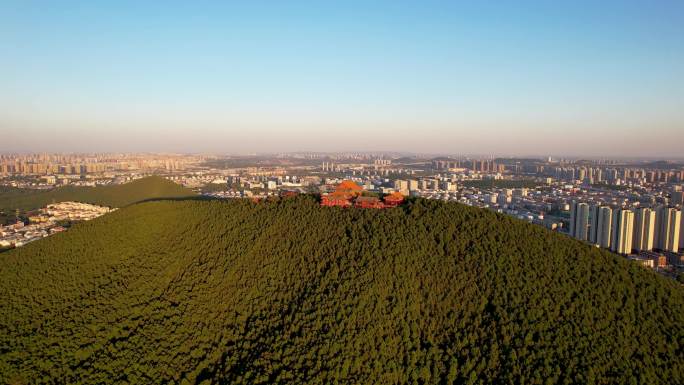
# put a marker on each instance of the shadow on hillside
(187, 198)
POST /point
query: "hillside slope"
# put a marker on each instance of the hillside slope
(113, 196)
(190, 292)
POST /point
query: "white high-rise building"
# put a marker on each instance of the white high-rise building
(604, 227)
(644, 229)
(669, 222)
(623, 231)
(579, 220)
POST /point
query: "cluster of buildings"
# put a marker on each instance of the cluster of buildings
(83, 164)
(618, 175)
(74, 211)
(594, 200)
(349, 194)
(627, 231)
(475, 165)
(19, 234)
(48, 221)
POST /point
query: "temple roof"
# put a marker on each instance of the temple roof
(367, 199)
(395, 196)
(348, 185)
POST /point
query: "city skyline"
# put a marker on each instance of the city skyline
(581, 79)
(674, 161)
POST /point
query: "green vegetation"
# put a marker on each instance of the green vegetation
(213, 187)
(121, 195)
(207, 292)
(500, 183)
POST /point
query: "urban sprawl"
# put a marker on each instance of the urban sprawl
(631, 207)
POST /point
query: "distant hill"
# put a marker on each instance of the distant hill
(114, 195)
(288, 292)
(663, 165)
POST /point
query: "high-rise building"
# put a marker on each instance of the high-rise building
(668, 222)
(678, 198)
(579, 220)
(604, 226)
(681, 233)
(622, 231)
(593, 223)
(401, 185)
(503, 199)
(599, 175)
(582, 174)
(413, 185)
(644, 229)
(573, 218)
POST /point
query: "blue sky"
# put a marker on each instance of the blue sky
(507, 77)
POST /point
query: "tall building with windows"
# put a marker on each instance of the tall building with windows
(604, 227)
(582, 174)
(579, 220)
(413, 185)
(402, 186)
(668, 222)
(681, 233)
(678, 198)
(593, 223)
(644, 229)
(600, 219)
(573, 218)
(622, 231)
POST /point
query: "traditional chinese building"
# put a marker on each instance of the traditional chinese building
(394, 199)
(343, 195)
(349, 187)
(334, 199)
(368, 203)
(348, 194)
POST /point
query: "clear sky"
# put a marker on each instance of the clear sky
(597, 78)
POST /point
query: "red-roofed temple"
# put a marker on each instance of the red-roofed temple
(348, 194)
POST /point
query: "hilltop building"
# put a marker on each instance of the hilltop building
(348, 194)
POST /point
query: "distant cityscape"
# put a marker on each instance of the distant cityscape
(632, 208)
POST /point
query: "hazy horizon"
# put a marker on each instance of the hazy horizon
(576, 80)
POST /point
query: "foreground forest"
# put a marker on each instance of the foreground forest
(216, 292)
(152, 187)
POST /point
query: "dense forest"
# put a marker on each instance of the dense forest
(152, 187)
(237, 292)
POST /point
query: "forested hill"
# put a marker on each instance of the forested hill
(216, 292)
(113, 196)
